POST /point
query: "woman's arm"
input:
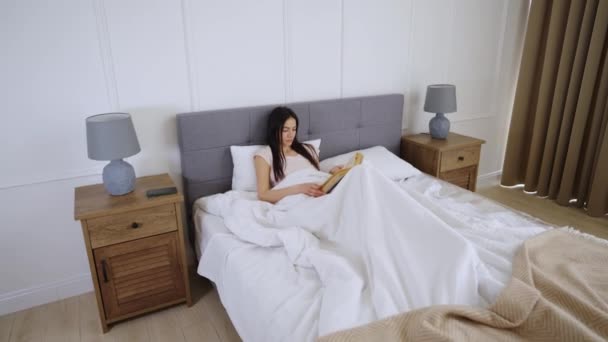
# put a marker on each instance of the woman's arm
(262, 171)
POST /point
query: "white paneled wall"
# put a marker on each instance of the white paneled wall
(313, 50)
(238, 52)
(375, 46)
(51, 77)
(464, 49)
(147, 52)
(64, 60)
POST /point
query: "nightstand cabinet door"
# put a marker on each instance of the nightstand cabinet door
(465, 177)
(139, 274)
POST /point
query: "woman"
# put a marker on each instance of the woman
(284, 155)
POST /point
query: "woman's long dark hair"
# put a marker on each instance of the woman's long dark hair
(276, 120)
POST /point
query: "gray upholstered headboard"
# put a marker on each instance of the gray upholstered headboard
(343, 125)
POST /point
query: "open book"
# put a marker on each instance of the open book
(332, 181)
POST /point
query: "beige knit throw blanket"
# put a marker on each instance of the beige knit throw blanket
(558, 292)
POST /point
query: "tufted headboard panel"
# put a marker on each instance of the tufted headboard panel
(343, 125)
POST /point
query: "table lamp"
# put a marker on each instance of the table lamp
(440, 99)
(111, 136)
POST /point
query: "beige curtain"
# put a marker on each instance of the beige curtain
(558, 138)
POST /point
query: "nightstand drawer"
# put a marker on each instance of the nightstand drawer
(456, 159)
(108, 230)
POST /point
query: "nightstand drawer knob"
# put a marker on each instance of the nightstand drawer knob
(134, 225)
(460, 158)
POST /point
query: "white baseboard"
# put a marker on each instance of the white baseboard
(38, 295)
(489, 179)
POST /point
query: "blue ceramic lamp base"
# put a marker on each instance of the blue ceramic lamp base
(118, 177)
(439, 126)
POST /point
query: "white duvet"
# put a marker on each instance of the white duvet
(368, 250)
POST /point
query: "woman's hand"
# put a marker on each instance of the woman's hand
(336, 169)
(310, 189)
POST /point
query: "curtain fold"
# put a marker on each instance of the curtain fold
(557, 144)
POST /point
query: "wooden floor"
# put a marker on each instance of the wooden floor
(547, 210)
(75, 319)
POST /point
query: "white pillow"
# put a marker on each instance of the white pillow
(385, 161)
(243, 173)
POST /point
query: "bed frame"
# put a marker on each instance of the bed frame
(343, 125)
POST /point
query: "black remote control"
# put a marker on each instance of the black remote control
(161, 191)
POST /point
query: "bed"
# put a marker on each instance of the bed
(271, 297)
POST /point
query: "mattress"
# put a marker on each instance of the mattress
(213, 225)
(269, 299)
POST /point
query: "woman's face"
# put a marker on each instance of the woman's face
(288, 133)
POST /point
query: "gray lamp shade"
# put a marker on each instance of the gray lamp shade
(440, 98)
(111, 136)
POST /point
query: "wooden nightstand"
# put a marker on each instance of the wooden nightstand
(136, 248)
(455, 159)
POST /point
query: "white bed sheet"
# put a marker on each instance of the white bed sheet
(269, 299)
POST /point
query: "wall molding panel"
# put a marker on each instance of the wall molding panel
(407, 109)
(313, 40)
(191, 59)
(341, 48)
(105, 49)
(287, 60)
(500, 47)
(75, 174)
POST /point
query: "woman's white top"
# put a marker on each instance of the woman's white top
(292, 163)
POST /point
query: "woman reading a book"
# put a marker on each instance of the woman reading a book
(283, 156)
